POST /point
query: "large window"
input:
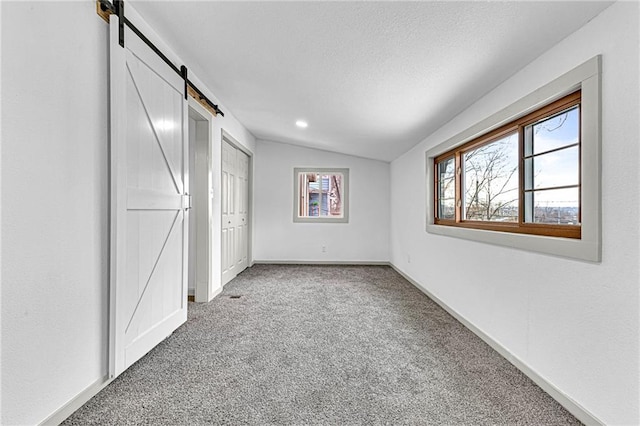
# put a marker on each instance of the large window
(523, 177)
(321, 195)
(528, 175)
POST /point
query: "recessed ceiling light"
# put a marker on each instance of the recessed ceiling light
(301, 123)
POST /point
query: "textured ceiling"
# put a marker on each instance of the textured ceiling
(371, 78)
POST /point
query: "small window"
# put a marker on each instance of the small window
(523, 177)
(321, 195)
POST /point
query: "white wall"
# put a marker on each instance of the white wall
(54, 206)
(574, 323)
(278, 238)
(54, 203)
(0, 216)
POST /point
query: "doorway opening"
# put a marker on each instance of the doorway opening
(200, 286)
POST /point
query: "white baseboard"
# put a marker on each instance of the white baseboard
(216, 293)
(323, 262)
(563, 399)
(78, 401)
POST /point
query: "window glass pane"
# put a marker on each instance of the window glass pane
(446, 189)
(322, 195)
(528, 141)
(324, 191)
(313, 194)
(558, 168)
(491, 181)
(557, 131)
(557, 206)
(528, 207)
(335, 195)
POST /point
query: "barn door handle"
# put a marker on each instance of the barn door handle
(186, 202)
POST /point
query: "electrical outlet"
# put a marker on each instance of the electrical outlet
(324, 249)
(408, 258)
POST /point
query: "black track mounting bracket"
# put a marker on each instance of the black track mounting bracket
(106, 8)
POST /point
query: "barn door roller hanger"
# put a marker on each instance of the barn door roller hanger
(106, 8)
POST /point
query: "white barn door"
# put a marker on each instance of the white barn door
(149, 201)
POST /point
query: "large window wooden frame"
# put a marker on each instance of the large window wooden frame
(585, 77)
(516, 128)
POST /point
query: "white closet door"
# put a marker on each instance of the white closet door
(229, 212)
(149, 178)
(235, 211)
(243, 211)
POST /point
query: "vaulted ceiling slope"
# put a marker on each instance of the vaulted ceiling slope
(371, 78)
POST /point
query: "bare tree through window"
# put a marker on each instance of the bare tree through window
(491, 181)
